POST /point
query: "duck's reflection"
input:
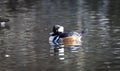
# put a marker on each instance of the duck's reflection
(57, 50)
(60, 50)
(54, 49)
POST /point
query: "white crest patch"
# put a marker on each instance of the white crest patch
(61, 29)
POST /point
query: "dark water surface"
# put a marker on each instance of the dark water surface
(25, 46)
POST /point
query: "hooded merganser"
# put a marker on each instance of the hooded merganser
(58, 37)
(3, 23)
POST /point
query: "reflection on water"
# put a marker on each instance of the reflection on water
(60, 50)
(25, 47)
(57, 50)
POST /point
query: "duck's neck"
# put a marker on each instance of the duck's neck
(57, 33)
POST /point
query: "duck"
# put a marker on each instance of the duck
(3, 23)
(59, 37)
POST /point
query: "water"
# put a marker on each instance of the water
(25, 46)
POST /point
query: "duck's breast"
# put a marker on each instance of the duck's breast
(51, 40)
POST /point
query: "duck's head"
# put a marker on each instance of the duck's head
(3, 23)
(58, 29)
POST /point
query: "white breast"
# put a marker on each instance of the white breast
(54, 40)
(51, 40)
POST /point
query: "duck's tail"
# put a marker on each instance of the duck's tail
(84, 31)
